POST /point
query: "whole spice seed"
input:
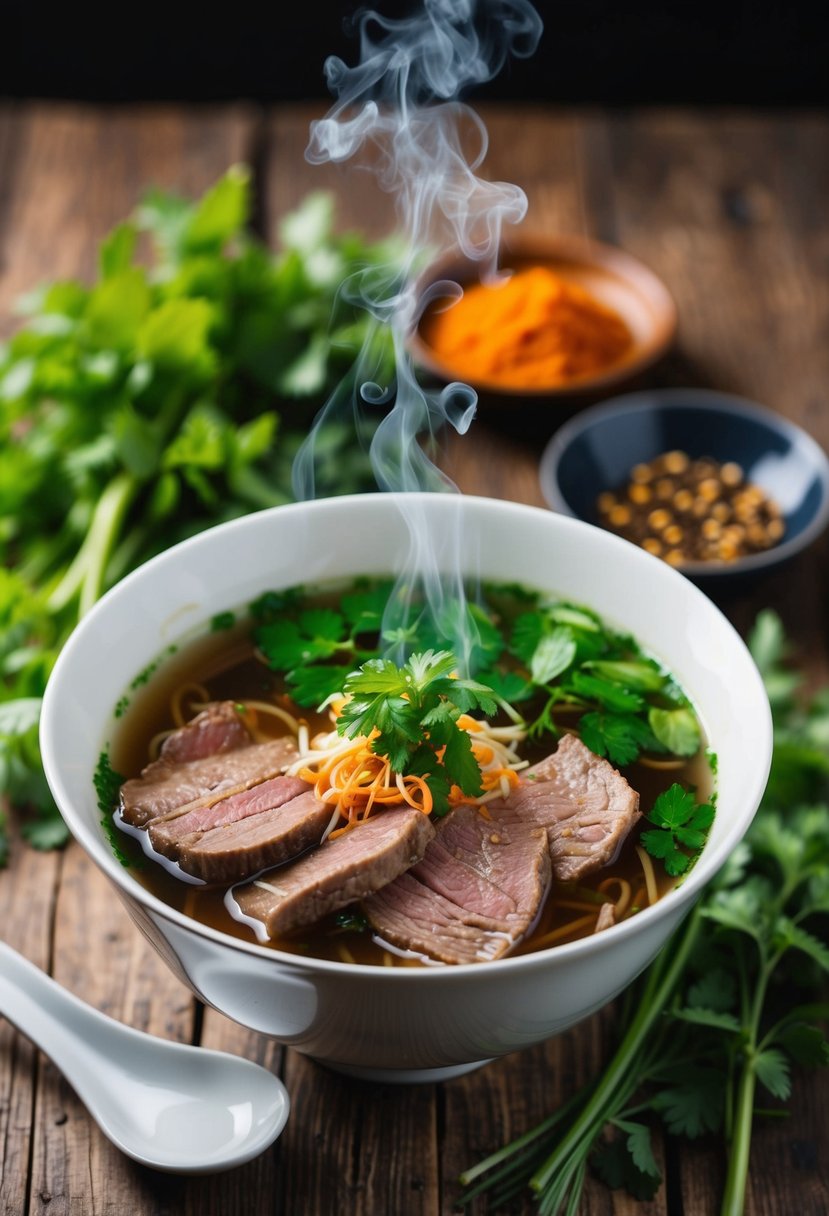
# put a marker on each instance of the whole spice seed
(686, 509)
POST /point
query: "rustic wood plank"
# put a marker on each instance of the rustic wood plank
(358, 1147)
(79, 170)
(27, 892)
(287, 178)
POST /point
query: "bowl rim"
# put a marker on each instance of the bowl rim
(677, 900)
(674, 400)
(524, 246)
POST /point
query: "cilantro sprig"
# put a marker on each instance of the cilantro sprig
(680, 831)
(415, 709)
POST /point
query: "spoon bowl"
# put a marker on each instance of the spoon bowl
(170, 1106)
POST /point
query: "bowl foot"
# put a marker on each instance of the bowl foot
(404, 1076)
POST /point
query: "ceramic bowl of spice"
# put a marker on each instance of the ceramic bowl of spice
(719, 487)
(565, 319)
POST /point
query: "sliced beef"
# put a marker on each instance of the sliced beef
(218, 728)
(235, 850)
(482, 881)
(172, 833)
(166, 786)
(475, 894)
(606, 918)
(339, 872)
(587, 807)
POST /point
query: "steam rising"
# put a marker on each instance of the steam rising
(397, 112)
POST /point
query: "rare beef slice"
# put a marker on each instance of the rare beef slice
(476, 893)
(340, 871)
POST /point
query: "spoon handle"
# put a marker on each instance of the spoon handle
(57, 1021)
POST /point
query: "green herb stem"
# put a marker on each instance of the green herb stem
(103, 536)
(662, 978)
(733, 1202)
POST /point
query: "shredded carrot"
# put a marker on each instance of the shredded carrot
(355, 781)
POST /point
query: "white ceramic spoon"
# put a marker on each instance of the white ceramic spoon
(167, 1105)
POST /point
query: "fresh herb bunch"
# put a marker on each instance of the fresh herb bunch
(728, 1006)
(542, 657)
(415, 709)
(569, 656)
(159, 400)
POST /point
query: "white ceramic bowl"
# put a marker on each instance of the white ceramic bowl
(398, 1023)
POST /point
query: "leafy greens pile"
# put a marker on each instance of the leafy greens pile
(150, 405)
(728, 1006)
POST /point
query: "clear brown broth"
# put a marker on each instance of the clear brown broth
(225, 664)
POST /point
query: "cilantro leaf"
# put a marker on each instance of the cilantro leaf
(774, 1072)
(807, 1045)
(640, 676)
(619, 737)
(509, 686)
(460, 762)
(615, 1165)
(312, 685)
(680, 824)
(316, 635)
(692, 1102)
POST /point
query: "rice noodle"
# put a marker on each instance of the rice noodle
(622, 901)
(572, 926)
(650, 876)
(267, 707)
(662, 765)
(199, 697)
(155, 744)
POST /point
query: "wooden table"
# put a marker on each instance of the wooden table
(731, 210)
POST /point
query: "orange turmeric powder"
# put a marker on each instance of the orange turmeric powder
(533, 330)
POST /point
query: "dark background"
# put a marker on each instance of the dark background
(602, 51)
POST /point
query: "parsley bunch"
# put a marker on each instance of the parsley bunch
(415, 709)
(728, 1007)
(160, 399)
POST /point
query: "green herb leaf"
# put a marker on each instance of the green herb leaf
(773, 1071)
(682, 826)
(415, 710)
(807, 1045)
(619, 737)
(614, 1164)
(693, 1100)
(677, 729)
(612, 696)
(552, 655)
(46, 833)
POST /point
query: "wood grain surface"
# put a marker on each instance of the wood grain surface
(730, 210)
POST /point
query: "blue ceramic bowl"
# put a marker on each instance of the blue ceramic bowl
(597, 450)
